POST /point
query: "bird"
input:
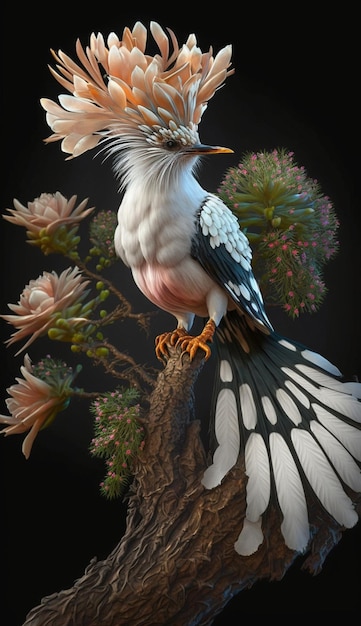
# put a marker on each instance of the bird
(282, 407)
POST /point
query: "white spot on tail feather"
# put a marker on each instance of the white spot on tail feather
(248, 407)
(287, 344)
(270, 411)
(289, 406)
(321, 378)
(225, 371)
(290, 493)
(353, 388)
(298, 393)
(250, 538)
(323, 478)
(344, 403)
(301, 380)
(320, 360)
(259, 478)
(228, 437)
(348, 435)
(342, 460)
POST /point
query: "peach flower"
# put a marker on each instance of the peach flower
(49, 211)
(33, 404)
(41, 302)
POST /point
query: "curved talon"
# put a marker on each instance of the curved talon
(172, 337)
(191, 344)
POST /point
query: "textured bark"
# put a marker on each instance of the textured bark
(176, 564)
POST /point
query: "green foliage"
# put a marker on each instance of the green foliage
(101, 235)
(57, 307)
(291, 227)
(63, 240)
(118, 437)
(56, 373)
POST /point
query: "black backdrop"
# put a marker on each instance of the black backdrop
(295, 87)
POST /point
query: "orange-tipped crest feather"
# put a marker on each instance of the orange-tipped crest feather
(119, 87)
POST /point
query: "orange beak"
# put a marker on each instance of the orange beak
(200, 148)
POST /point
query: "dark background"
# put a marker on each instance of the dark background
(296, 86)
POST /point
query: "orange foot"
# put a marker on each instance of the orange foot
(171, 338)
(191, 344)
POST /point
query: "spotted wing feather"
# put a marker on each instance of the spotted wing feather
(224, 252)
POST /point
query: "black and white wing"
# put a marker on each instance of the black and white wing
(223, 250)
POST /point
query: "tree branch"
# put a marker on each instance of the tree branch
(176, 563)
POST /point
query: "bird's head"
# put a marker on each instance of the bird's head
(158, 154)
(134, 103)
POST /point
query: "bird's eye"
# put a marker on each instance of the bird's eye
(171, 144)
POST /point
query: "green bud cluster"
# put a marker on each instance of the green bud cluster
(63, 240)
(73, 324)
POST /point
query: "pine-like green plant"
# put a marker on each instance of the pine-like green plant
(291, 227)
(118, 437)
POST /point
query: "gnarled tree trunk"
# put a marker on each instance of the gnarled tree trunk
(176, 563)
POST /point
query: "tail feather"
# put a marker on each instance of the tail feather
(323, 478)
(346, 433)
(290, 494)
(258, 471)
(227, 433)
(340, 401)
(341, 459)
(295, 422)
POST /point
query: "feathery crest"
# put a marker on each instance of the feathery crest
(119, 88)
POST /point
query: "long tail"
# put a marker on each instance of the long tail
(298, 426)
